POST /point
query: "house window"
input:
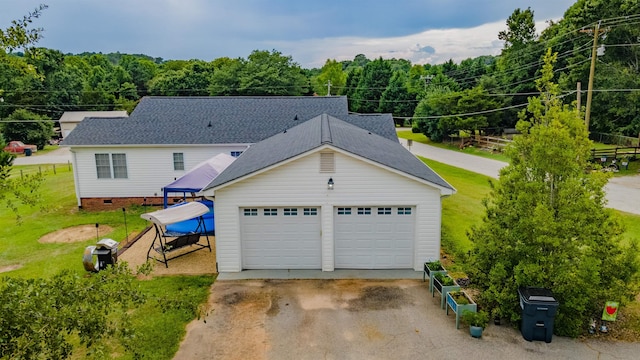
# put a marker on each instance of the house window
(404, 211)
(119, 166)
(290, 212)
(114, 166)
(364, 211)
(310, 211)
(250, 212)
(103, 166)
(236, 153)
(344, 211)
(384, 211)
(270, 212)
(178, 161)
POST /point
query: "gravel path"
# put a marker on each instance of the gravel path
(623, 193)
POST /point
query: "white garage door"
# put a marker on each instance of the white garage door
(281, 238)
(374, 237)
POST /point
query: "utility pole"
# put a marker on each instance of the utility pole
(594, 55)
(579, 95)
(328, 87)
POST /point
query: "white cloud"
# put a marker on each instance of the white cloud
(456, 44)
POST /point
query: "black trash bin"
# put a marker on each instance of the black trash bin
(27, 152)
(539, 309)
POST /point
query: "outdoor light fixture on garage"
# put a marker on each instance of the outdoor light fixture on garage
(330, 184)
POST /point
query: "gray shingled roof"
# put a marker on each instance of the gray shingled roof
(218, 120)
(327, 130)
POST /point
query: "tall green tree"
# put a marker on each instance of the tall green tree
(19, 34)
(27, 127)
(331, 73)
(373, 82)
(546, 224)
(397, 100)
(271, 73)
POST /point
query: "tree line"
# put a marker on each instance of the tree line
(482, 93)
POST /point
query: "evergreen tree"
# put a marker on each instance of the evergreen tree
(546, 224)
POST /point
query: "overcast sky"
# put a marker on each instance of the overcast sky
(311, 31)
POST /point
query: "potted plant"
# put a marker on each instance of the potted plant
(477, 321)
(459, 302)
(443, 283)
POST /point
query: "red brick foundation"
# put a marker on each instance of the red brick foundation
(113, 203)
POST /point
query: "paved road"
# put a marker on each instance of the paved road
(623, 193)
(61, 155)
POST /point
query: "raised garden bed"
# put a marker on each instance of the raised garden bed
(459, 302)
(443, 283)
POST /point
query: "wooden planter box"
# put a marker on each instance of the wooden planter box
(458, 309)
(443, 290)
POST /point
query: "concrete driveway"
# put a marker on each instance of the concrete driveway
(61, 155)
(357, 319)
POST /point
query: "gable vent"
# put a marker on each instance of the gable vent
(327, 162)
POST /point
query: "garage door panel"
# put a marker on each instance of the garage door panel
(280, 238)
(383, 238)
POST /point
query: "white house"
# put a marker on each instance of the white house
(122, 161)
(327, 195)
(70, 119)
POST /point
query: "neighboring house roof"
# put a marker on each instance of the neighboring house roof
(77, 116)
(322, 131)
(218, 120)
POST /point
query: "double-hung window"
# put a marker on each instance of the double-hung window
(110, 166)
(178, 161)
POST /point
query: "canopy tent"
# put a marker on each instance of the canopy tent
(198, 177)
(172, 215)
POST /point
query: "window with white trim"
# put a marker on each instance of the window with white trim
(364, 211)
(178, 161)
(404, 211)
(384, 211)
(344, 211)
(310, 211)
(290, 212)
(236, 153)
(250, 212)
(270, 212)
(111, 166)
(103, 166)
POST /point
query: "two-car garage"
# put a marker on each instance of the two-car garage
(365, 237)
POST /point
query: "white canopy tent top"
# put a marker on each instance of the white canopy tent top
(176, 214)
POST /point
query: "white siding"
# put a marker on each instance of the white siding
(149, 169)
(300, 183)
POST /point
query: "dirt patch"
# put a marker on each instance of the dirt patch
(10, 268)
(75, 234)
(379, 298)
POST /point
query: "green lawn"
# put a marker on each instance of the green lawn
(421, 138)
(173, 300)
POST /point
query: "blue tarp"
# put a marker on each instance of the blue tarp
(198, 177)
(191, 225)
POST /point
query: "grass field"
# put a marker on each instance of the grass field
(173, 300)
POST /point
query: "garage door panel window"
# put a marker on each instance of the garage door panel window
(404, 211)
(310, 211)
(364, 211)
(384, 211)
(250, 212)
(290, 212)
(344, 211)
(270, 212)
